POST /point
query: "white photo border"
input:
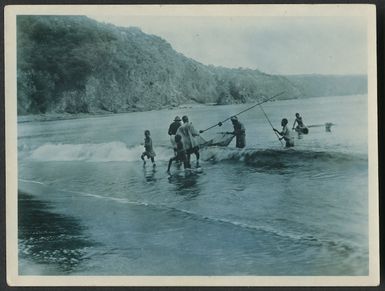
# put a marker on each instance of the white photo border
(309, 10)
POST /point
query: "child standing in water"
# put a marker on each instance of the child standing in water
(285, 133)
(180, 154)
(149, 151)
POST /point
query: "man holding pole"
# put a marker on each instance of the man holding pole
(239, 132)
(285, 133)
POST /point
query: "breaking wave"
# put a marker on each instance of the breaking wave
(103, 152)
(119, 151)
(256, 156)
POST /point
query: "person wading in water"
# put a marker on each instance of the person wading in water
(239, 132)
(188, 134)
(180, 155)
(149, 151)
(300, 128)
(285, 133)
(172, 131)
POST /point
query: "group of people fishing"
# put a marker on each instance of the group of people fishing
(183, 138)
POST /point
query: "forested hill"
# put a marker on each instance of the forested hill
(329, 85)
(74, 64)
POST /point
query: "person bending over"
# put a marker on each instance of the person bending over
(180, 155)
(239, 132)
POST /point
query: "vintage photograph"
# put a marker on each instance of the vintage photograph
(191, 145)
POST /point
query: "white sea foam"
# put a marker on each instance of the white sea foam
(103, 152)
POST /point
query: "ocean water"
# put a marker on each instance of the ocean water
(87, 206)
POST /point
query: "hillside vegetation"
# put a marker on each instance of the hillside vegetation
(320, 85)
(73, 64)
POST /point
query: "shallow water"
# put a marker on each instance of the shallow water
(263, 210)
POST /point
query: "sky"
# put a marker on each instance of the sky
(273, 44)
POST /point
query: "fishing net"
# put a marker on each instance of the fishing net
(220, 139)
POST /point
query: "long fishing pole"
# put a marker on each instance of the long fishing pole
(270, 124)
(259, 103)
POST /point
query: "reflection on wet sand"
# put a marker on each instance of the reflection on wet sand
(49, 238)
